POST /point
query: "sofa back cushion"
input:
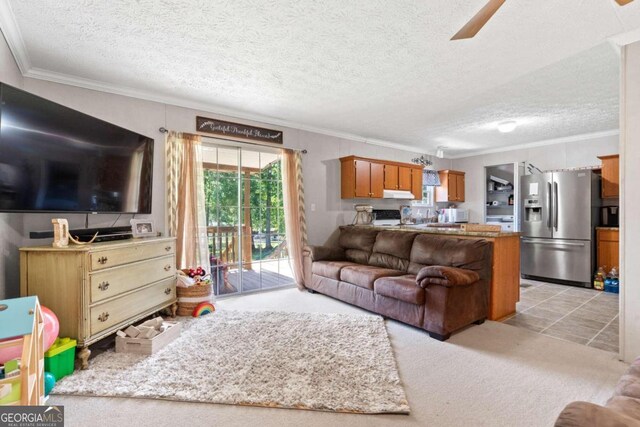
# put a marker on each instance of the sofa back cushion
(471, 254)
(392, 250)
(357, 243)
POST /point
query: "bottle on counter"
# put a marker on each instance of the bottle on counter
(614, 287)
(607, 282)
(598, 282)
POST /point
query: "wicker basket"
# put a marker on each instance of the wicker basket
(189, 298)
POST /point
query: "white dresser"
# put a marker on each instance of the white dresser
(96, 289)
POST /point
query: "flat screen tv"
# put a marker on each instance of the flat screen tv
(55, 159)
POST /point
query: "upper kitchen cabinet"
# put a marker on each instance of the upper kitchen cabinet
(397, 177)
(369, 178)
(451, 187)
(610, 176)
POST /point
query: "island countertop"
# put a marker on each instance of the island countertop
(450, 231)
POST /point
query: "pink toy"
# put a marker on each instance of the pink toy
(51, 330)
(51, 327)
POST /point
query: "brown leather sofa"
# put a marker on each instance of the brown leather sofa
(440, 284)
(622, 410)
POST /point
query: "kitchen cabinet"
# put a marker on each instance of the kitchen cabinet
(397, 177)
(610, 176)
(404, 178)
(368, 178)
(452, 186)
(390, 177)
(608, 240)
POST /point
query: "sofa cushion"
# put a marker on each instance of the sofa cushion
(625, 405)
(364, 275)
(402, 288)
(392, 250)
(329, 269)
(357, 243)
(470, 254)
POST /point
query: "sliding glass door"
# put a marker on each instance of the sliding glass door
(245, 218)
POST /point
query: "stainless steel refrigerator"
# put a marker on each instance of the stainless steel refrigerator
(559, 212)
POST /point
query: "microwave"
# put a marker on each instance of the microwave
(456, 215)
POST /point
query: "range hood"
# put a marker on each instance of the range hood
(397, 194)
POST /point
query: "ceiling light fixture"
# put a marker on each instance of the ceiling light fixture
(440, 152)
(508, 126)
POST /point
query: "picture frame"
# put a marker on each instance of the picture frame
(143, 228)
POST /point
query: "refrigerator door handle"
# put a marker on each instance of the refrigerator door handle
(554, 243)
(555, 206)
(549, 204)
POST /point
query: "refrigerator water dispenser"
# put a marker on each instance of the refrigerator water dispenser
(532, 210)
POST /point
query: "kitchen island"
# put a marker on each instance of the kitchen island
(505, 279)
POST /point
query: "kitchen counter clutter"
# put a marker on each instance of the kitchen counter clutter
(505, 281)
(448, 229)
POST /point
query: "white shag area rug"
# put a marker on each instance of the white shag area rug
(327, 362)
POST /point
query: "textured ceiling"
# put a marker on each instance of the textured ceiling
(376, 68)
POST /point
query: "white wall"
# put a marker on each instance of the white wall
(546, 157)
(630, 197)
(325, 209)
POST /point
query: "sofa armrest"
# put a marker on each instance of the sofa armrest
(324, 253)
(585, 414)
(445, 276)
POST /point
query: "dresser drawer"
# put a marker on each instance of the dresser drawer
(124, 255)
(113, 281)
(104, 316)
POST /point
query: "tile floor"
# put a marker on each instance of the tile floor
(585, 316)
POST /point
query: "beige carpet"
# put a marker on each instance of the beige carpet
(318, 361)
(488, 375)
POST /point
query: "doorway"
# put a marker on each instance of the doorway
(245, 218)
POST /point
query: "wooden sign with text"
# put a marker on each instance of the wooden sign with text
(237, 130)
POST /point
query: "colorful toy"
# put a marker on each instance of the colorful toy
(51, 327)
(203, 308)
(60, 357)
(49, 382)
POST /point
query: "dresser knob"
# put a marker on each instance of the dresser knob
(102, 260)
(167, 267)
(167, 291)
(103, 286)
(167, 248)
(103, 317)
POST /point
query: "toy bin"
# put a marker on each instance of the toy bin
(60, 357)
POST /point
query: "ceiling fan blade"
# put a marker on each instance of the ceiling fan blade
(623, 2)
(482, 17)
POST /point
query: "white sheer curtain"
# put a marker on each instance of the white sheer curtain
(185, 199)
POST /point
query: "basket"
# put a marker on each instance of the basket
(189, 298)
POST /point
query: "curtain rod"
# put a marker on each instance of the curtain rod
(303, 151)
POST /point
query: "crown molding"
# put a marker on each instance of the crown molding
(13, 36)
(66, 79)
(563, 140)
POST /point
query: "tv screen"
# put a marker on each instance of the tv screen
(55, 159)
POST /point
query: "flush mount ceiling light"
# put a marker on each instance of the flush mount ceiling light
(508, 126)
